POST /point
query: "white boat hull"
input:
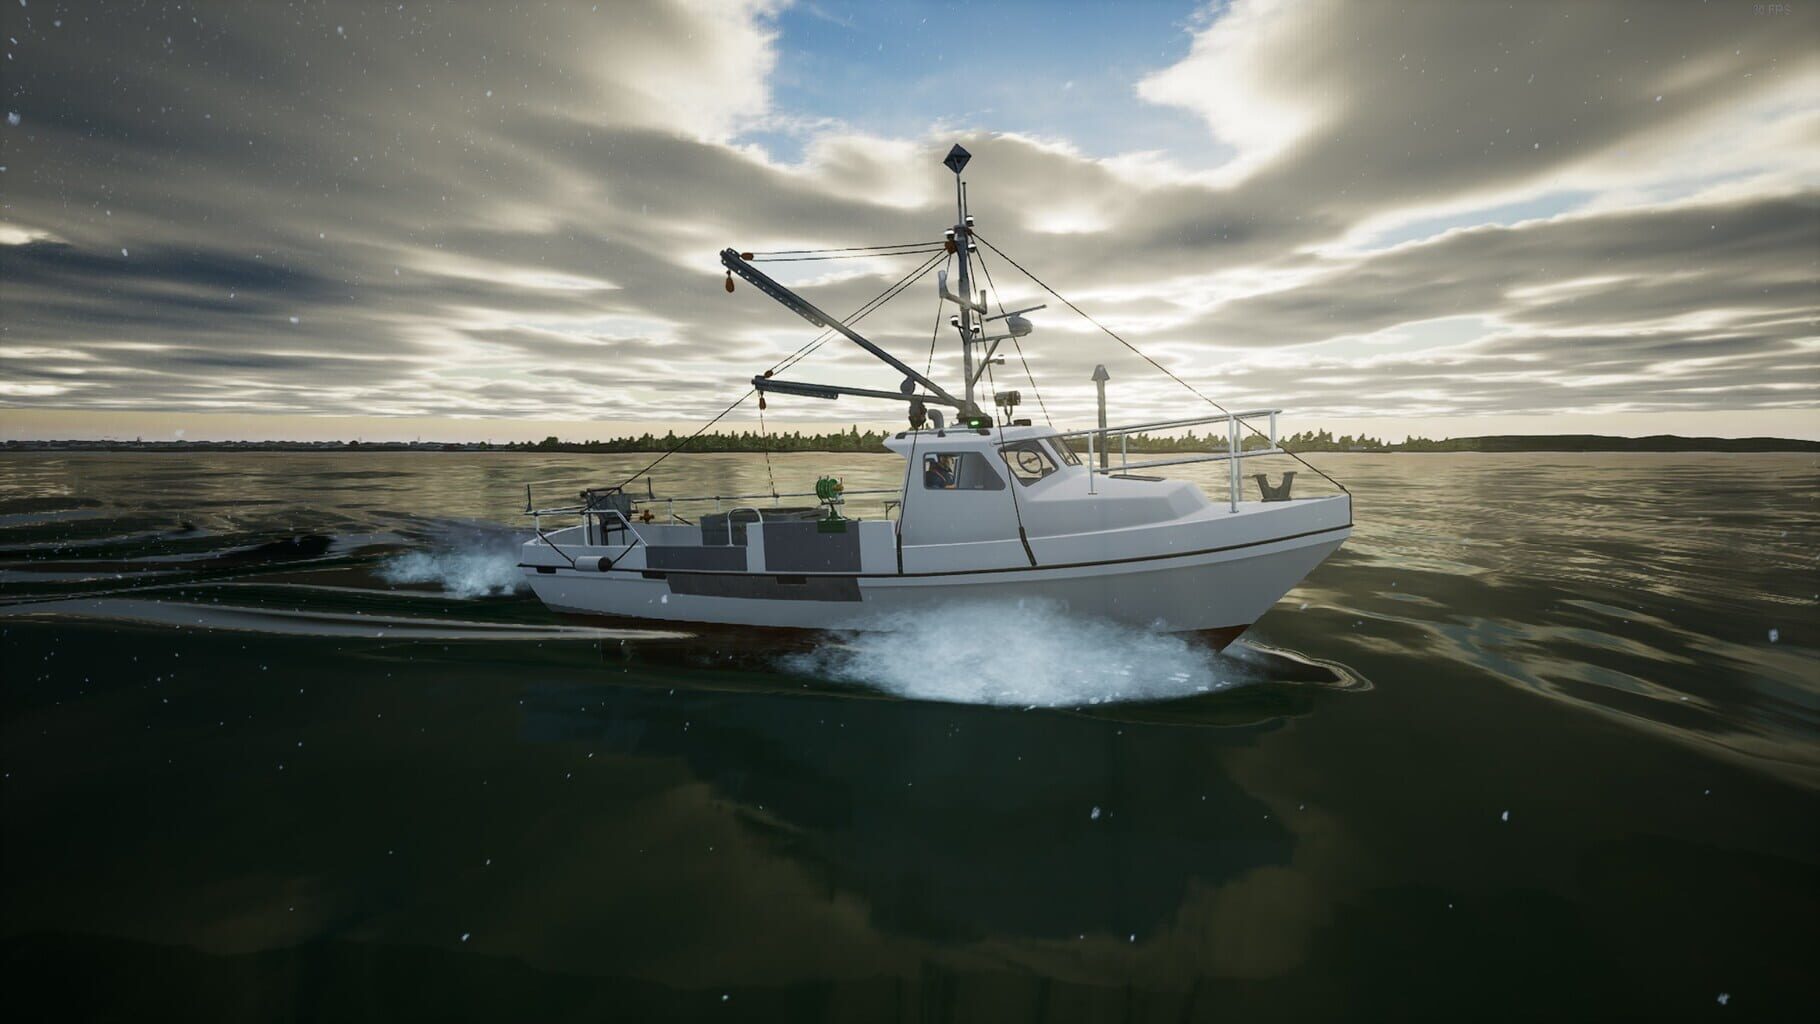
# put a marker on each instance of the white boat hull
(1220, 589)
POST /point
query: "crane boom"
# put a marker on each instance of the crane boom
(802, 307)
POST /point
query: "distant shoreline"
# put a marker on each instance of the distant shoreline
(868, 445)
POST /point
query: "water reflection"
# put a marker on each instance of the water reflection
(953, 823)
(1582, 775)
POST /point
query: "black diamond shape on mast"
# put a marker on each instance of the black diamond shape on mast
(957, 158)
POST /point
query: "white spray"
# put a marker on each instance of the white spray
(467, 561)
(1026, 654)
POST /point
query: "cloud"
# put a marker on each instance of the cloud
(1431, 209)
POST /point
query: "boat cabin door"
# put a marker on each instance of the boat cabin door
(956, 494)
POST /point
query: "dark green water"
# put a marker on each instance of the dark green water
(1526, 748)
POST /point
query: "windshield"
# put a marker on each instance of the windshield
(1029, 461)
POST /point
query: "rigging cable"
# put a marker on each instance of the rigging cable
(698, 432)
(856, 316)
(1114, 336)
(852, 248)
(916, 433)
(843, 256)
(792, 359)
(764, 445)
(1013, 484)
(910, 470)
(1014, 344)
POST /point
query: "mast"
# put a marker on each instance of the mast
(956, 161)
(971, 323)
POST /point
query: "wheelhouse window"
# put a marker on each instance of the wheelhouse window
(959, 471)
(1061, 448)
(1029, 461)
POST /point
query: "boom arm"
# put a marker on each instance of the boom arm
(833, 391)
(804, 308)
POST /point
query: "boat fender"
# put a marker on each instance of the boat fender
(593, 563)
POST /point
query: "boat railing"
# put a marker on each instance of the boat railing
(586, 510)
(1236, 429)
(719, 500)
(592, 517)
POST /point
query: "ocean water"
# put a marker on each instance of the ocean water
(284, 739)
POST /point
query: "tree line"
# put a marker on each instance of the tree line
(853, 439)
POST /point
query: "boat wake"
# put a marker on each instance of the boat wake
(466, 561)
(275, 621)
(1031, 654)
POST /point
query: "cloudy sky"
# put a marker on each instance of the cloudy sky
(1445, 216)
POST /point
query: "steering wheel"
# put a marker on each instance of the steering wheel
(1029, 461)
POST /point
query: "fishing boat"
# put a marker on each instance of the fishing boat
(991, 509)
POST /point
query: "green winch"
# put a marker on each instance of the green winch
(828, 489)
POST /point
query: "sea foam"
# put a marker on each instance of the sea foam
(467, 562)
(1030, 654)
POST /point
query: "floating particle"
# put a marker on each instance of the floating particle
(1504, 817)
(1775, 635)
(12, 118)
(1095, 816)
(1724, 997)
(464, 936)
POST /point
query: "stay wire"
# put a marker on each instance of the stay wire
(1109, 332)
(845, 256)
(1014, 344)
(911, 471)
(851, 248)
(791, 360)
(1012, 485)
(699, 431)
(856, 316)
(764, 445)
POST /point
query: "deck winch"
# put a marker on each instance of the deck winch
(829, 490)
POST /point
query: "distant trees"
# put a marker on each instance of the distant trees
(1324, 441)
(856, 440)
(853, 439)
